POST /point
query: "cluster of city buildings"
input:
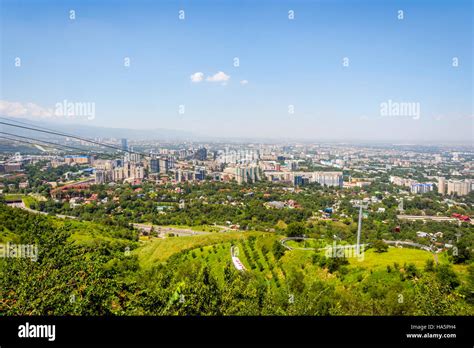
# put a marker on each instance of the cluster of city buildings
(414, 186)
(445, 187)
(13, 164)
(295, 164)
(458, 187)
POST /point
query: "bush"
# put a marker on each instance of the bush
(278, 250)
(461, 253)
(411, 271)
(429, 266)
(315, 258)
(296, 229)
(334, 263)
(380, 246)
(446, 276)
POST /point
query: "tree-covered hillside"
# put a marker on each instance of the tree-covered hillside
(86, 268)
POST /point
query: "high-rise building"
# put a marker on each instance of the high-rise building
(119, 174)
(201, 154)
(99, 176)
(103, 176)
(328, 178)
(78, 159)
(292, 165)
(124, 144)
(138, 173)
(421, 187)
(135, 157)
(441, 185)
(249, 173)
(461, 188)
(200, 173)
(182, 175)
(154, 165)
(164, 166)
(298, 180)
(102, 164)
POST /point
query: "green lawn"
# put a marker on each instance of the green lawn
(160, 250)
(27, 200)
(13, 197)
(373, 260)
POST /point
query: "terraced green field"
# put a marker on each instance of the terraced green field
(159, 250)
(254, 249)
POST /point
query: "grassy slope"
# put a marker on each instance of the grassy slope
(13, 196)
(82, 232)
(377, 261)
(374, 260)
(214, 250)
(28, 200)
(159, 250)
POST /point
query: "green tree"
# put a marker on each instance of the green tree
(278, 250)
(380, 246)
(446, 276)
(296, 229)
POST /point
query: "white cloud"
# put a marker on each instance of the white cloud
(197, 77)
(17, 109)
(244, 82)
(218, 77)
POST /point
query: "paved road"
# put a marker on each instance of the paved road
(23, 206)
(144, 227)
(401, 242)
(166, 230)
(284, 240)
(235, 260)
(428, 217)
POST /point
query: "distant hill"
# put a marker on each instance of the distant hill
(94, 132)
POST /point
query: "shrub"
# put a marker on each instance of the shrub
(411, 271)
(278, 250)
(429, 266)
(380, 246)
(446, 276)
(295, 229)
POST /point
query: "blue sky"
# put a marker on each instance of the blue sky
(285, 62)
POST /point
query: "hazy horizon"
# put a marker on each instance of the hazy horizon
(160, 134)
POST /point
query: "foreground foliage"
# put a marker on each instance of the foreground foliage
(86, 269)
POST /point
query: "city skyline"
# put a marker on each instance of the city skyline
(400, 81)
